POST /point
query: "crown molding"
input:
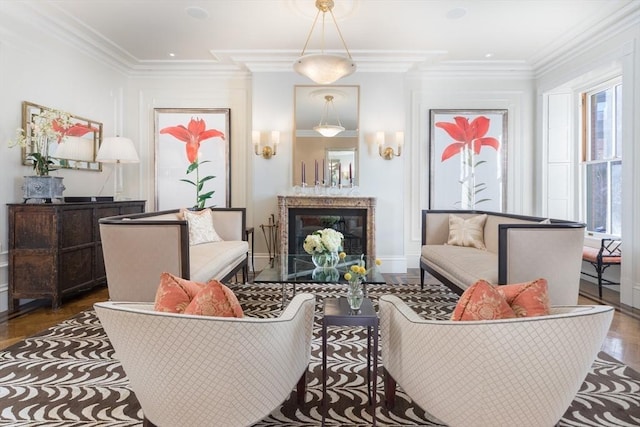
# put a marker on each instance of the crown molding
(583, 40)
(476, 70)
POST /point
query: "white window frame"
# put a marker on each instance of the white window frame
(585, 155)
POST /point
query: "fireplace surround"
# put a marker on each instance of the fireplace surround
(353, 215)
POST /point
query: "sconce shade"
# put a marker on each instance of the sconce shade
(324, 68)
(267, 151)
(75, 148)
(117, 150)
(388, 153)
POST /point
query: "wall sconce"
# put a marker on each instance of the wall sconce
(388, 153)
(267, 151)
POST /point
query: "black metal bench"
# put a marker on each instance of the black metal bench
(609, 253)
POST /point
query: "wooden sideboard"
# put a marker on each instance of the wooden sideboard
(55, 248)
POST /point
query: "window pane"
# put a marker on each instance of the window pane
(616, 198)
(596, 194)
(602, 108)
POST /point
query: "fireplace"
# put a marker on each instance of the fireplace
(353, 216)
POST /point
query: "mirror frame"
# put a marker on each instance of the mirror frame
(29, 110)
(349, 138)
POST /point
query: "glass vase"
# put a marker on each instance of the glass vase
(355, 294)
(325, 259)
(325, 274)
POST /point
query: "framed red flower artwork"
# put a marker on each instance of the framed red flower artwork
(467, 159)
(192, 157)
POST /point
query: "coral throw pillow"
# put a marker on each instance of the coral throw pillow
(527, 299)
(215, 299)
(201, 229)
(467, 232)
(482, 301)
(175, 293)
(178, 295)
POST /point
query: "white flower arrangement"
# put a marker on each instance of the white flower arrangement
(322, 241)
(46, 127)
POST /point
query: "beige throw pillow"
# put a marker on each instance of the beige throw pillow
(201, 228)
(467, 232)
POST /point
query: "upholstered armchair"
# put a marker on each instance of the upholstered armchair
(510, 372)
(191, 370)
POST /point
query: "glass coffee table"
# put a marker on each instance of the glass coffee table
(298, 268)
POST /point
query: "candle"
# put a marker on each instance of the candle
(323, 171)
(339, 173)
(303, 177)
(350, 174)
(315, 181)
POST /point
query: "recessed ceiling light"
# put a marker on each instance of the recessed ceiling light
(172, 54)
(197, 12)
(456, 13)
(488, 55)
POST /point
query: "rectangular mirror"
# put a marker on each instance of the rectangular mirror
(332, 108)
(75, 147)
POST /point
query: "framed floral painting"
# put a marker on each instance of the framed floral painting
(467, 156)
(192, 157)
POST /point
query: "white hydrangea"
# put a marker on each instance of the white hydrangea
(326, 240)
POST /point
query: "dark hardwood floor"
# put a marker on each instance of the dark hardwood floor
(622, 342)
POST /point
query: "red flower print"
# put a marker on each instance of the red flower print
(76, 129)
(470, 135)
(192, 135)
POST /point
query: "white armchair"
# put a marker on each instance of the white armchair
(523, 371)
(210, 371)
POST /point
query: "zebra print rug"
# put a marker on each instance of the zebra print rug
(68, 376)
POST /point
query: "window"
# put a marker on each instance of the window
(602, 158)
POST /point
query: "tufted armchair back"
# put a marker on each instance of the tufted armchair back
(210, 371)
(510, 372)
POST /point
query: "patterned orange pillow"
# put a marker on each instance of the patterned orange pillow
(175, 293)
(482, 301)
(215, 299)
(527, 299)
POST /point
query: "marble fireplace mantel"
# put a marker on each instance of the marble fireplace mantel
(324, 202)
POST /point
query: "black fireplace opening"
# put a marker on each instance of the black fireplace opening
(351, 222)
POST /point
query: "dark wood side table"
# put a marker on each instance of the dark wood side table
(336, 312)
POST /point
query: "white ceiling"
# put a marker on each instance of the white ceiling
(390, 35)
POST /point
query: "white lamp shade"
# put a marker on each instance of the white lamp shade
(117, 150)
(324, 68)
(75, 148)
(328, 130)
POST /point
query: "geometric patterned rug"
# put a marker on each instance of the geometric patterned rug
(68, 375)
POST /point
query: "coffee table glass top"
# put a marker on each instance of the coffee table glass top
(298, 268)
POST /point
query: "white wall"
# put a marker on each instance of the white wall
(36, 66)
(485, 91)
(610, 54)
(187, 90)
(382, 108)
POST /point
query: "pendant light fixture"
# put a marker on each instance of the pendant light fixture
(324, 128)
(324, 68)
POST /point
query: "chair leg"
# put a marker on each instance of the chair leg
(301, 388)
(421, 279)
(599, 268)
(389, 390)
